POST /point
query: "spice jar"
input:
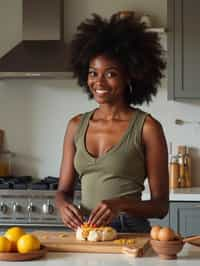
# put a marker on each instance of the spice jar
(1, 138)
(185, 177)
(188, 169)
(174, 173)
(181, 171)
(5, 163)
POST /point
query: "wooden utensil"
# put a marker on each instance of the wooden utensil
(194, 240)
(15, 256)
(66, 241)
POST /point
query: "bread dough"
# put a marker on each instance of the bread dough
(94, 235)
(89, 233)
(108, 233)
(79, 234)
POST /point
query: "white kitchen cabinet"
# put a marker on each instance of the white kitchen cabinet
(185, 217)
(183, 49)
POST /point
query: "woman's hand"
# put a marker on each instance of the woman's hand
(71, 215)
(104, 213)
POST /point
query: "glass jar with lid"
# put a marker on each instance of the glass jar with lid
(1, 138)
(5, 163)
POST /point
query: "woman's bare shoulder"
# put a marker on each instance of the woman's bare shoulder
(75, 120)
(152, 128)
(73, 123)
(152, 123)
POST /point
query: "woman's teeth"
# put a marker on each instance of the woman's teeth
(101, 91)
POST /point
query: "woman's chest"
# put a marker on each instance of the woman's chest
(102, 136)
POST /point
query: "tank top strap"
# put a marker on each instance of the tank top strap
(135, 136)
(80, 132)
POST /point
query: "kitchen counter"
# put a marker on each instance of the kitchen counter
(189, 255)
(178, 194)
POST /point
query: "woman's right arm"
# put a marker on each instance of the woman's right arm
(70, 214)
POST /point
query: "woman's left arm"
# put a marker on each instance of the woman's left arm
(156, 161)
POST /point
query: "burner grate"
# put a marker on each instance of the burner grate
(27, 182)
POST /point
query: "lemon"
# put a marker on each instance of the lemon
(5, 244)
(13, 234)
(28, 243)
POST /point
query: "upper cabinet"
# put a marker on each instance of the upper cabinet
(183, 49)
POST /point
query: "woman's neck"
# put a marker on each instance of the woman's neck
(108, 112)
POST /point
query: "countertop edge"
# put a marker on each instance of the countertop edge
(179, 194)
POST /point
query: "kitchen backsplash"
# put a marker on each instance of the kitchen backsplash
(34, 115)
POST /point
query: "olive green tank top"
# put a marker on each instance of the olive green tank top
(119, 172)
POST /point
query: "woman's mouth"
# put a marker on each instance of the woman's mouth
(101, 92)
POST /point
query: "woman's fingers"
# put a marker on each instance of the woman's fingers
(109, 220)
(92, 215)
(70, 224)
(101, 215)
(71, 216)
(75, 213)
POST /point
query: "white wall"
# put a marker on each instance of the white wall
(34, 113)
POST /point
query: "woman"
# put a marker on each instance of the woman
(115, 147)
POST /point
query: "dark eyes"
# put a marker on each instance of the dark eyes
(110, 74)
(92, 73)
(107, 74)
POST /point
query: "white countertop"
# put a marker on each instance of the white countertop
(179, 194)
(190, 255)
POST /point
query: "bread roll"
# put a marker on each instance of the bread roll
(108, 233)
(94, 235)
(89, 233)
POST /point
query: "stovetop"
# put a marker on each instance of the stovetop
(31, 202)
(27, 182)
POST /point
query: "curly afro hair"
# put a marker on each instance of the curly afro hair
(127, 41)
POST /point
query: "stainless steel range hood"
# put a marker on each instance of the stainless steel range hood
(42, 52)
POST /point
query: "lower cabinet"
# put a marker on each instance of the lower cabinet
(185, 217)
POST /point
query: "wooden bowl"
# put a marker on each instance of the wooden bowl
(15, 256)
(167, 249)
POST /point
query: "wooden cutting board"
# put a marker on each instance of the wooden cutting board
(65, 241)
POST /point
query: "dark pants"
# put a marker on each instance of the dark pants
(125, 223)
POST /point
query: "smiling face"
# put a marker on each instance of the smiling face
(107, 80)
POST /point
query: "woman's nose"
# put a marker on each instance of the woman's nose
(100, 78)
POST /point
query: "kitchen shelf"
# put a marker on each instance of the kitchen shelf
(158, 30)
